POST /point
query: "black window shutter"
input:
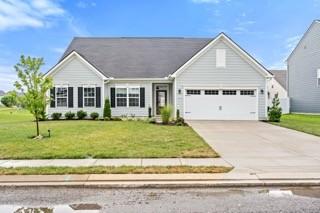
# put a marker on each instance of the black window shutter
(80, 97)
(142, 97)
(70, 97)
(113, 97)
(98, 97)
(53, 97)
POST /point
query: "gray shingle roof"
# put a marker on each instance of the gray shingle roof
(137, 57)
(280, 76)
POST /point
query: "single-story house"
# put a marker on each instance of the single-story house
(278, 85)
(303, 66)
(203, 78)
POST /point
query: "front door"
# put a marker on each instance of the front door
(161, 100)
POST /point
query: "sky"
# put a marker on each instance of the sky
(267, 29)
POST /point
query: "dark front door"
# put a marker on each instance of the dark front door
(161, 100)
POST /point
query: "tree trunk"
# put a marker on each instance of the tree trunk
(37, 122)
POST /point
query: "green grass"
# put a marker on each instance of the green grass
(113, 170)
(301, 122)
(96, 139)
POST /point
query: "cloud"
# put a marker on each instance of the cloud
(288, 46)
(85, 4)
(243, 27)
(209, 1)
(31, 13)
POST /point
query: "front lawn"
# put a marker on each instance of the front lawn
(96, 139)
(301, 122)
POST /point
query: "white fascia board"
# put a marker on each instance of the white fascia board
(66, 59)
(260, 68)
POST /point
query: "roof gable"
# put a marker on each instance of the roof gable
(314, 23)
(69, 57)
(253, 62)
(281, 77)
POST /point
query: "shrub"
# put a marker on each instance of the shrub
(180, 122)
(107, 109)
(116, 119)
(94, 115)
(69, 115)
(9, 100)
(81, 114)
(56, 115)
(275, 110)
(166, 114)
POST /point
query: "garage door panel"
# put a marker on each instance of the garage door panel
(221, 107)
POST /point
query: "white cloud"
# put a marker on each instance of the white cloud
(32, 13)
(243, 26)
(288, 46)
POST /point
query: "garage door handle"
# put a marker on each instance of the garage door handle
(220, 107)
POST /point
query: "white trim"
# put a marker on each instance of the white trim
(260, 69)
(66, 59)
(227, 88)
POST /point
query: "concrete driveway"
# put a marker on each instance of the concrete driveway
(258, 147)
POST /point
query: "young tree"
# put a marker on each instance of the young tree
(275, 111)
(107, 109)
(33, 86)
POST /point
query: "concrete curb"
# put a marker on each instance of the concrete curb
(157, 181)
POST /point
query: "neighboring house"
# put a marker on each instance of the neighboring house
(202, 78)
(278, 85)
(304, 72)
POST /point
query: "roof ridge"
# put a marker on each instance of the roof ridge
(142, 37)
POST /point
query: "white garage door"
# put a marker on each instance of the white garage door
(225, 104)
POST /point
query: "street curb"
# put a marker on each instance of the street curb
(165, 184)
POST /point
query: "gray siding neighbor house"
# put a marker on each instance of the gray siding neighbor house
(304, 72)
(202, 78)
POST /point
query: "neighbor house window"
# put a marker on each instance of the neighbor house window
(247, 92)
(229, 92)
(221, 58)
(211, 92)
(193, 92)
(62, 96)
(128, 96)
(89, 95)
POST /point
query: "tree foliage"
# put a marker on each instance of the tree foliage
(107, 109)
(33, 86)
(10, 99)
(275, 111)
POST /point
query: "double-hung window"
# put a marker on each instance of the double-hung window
(134, 95)
(89, 94)
(62, 96)
(128, 96)
(121, 95)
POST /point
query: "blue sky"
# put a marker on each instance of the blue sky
(267, 29)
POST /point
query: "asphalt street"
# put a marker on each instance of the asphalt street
(91, 200)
